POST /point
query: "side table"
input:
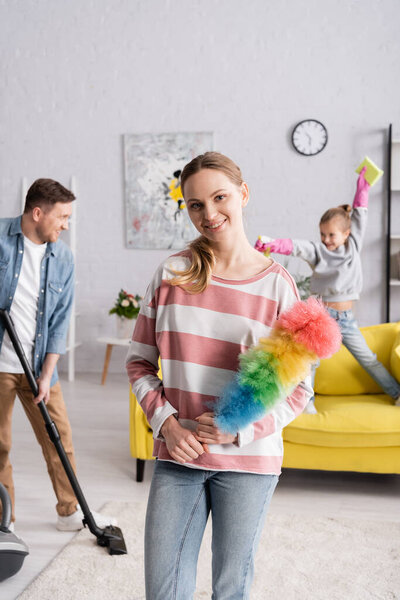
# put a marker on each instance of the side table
(110, 342)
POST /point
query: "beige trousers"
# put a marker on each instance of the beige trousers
(16, 384)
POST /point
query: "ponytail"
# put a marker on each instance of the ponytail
(196, 278)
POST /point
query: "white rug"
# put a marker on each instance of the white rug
(299, 558)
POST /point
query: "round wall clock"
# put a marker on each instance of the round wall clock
(309, 137)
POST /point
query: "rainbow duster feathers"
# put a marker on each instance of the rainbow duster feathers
(271, 370)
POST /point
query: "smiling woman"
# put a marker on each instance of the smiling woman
(222, 200)
(215, 195)
(203, 307)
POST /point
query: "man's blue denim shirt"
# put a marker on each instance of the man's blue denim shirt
(55, 295)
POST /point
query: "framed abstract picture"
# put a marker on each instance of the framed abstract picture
(155, 212)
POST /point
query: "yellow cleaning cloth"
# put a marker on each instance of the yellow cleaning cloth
(373, 173)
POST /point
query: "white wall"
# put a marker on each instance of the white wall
(77, 75)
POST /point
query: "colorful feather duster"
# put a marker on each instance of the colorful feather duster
(271, 370)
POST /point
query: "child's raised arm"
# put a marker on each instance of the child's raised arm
(360, 210)
(362, 190)
(301, 248)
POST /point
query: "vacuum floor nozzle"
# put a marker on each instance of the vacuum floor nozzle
(112, 538)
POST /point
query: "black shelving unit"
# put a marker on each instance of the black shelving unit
(391, 282)
(388, 224)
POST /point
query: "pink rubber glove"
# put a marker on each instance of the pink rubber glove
(261, 245)
(278, 246)
(361, 195)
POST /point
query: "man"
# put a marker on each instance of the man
(37, 288)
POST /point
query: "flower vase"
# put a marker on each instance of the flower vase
(124, 327)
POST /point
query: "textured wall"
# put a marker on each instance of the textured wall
(77, 75)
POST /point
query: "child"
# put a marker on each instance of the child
(202, 308)
(337, 277)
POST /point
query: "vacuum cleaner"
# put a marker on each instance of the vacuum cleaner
(12, 549)
(110, 537)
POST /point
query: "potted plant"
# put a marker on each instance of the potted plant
(303, 285)
(126, 308)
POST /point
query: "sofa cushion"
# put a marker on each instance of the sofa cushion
(342, 374)
(348, 421)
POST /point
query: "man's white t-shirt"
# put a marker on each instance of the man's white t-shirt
(24, 308)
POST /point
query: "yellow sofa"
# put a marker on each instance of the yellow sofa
(357, 427)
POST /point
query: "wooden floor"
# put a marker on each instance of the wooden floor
(100, 423)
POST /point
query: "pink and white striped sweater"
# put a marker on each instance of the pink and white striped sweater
(198, 338)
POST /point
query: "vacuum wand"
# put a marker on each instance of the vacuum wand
(110, 536)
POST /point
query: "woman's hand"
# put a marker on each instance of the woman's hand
(208, 433)
(181, 443)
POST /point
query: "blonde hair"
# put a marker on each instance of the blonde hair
(341, 213)
(196, 278)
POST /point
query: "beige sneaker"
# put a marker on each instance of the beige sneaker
(74, 522)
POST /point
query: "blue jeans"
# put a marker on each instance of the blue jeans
(355, 343)
(179, 503)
